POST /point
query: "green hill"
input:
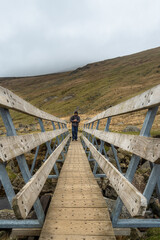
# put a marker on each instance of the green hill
(91, 88)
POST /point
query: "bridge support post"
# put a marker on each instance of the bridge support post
(58, 141)
(34, 160)
(63, 136)
(89, 155)
(102, 149)
(48, 146)
(6, 183)
(88, 138)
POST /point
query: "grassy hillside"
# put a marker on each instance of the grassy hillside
(91, 88)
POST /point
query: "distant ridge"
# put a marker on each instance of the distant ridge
(90, 88)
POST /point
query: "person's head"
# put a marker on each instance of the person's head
(75, 113)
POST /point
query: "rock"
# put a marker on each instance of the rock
(120, 123)
(120, 156)
(110, 193)
(49, 98)
(110, 153)
(14, 166)
(155, 206)
(145, 165)
(7, 214)
(3, 235)
(67, 97)
(1, 132)
(45, 201)
(29, 158)
(139, 182)
(136, 234)
(124, 152)
(18, 182)
(131, 128)
(33, 127)
(111, 204)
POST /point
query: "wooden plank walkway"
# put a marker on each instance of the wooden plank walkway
(77, 210)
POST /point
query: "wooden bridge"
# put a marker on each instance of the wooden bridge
(78, 209)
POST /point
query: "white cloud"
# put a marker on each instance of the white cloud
(44, 36)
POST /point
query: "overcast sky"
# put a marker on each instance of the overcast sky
(46, 36)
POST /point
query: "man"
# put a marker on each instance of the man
(75, 119)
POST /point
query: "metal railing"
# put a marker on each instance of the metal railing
(14, 145)
(142, 146)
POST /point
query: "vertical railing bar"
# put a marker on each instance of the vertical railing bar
(34, 160)
(48, 146)
(112, 147)
(57, 139)
(87, 137)
(60, 139)
(102, 146)
(90, 136)
(6, 183)
(63, 137)
(152, 181)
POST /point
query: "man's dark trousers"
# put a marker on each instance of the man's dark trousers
(74, 132)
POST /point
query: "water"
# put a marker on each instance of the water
(4, 204)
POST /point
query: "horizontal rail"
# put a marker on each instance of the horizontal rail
(24, 200)
(134, 201)
(145, 147)
(137, 223)
(13, 146)
(14, 223)
(145, 100)
(10, 100)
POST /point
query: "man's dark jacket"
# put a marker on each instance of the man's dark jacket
(75, 124)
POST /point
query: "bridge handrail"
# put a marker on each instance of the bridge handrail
(13, 146)
(16, 146)
(134, 201)
(25, 198)
(10, 100)
(146, 100)
(142, 146)
(145, 147)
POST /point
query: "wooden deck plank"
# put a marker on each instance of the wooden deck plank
(77, 237)
(81, 203)
(77, 195)
(77, 210)
(69, 227)
(77, 191)
(100, 214)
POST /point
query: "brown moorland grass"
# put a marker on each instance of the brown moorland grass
(92, 88)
